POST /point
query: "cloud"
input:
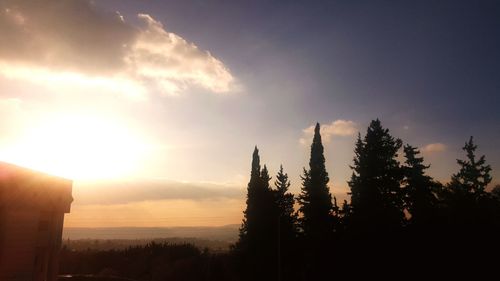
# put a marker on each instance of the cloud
(123, 192)
(434, 147)
(63, 36)
(52, 40)
(342, 128)
(172, 63)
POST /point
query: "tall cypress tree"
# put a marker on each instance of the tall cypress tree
(315, 199)
(317, 221)
(257, 245)
(376, 197)
(420, 190)
(269, 214)
(249, 227)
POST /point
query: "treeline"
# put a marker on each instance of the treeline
(399, 222)
(122, 244)
(153, 261)
(398, 216)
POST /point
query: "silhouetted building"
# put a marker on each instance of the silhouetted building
(32, 208)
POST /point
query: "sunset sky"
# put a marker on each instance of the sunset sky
(153, 108)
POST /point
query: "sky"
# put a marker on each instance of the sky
(153, 108)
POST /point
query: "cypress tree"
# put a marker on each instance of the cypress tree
(317, 221)
(269, 214)
(249, 227)
(257, 245)
(315, 199)
(376, 197)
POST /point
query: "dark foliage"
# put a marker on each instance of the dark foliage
(317, 222)
(150, 262)
(287, 227)
(316, 207)
(469, 204)
(420, 191)
(376, 195)
(257, 248)
(399, 221)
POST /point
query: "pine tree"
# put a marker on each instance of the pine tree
(376, 196)
(466, 193)
(420, 190)
(315, 199)
(285, 204)
(474, 175)
(287, 226)
(345, 211)
(495, 192)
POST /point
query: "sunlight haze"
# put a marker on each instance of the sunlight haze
(145, 105)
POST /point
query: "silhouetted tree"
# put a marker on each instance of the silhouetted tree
(317, 221)
(474, 175)
(495, 196)
(420, 190)
(257, 245)
(287, 222)
(466, 195)
(495, 192)
(285, 204)
(346, 209)
(376, 196)
(315, 199)
(270, 213)
(249, 227)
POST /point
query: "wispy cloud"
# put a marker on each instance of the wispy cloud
(122, 192)
(172, 63)
(342, 128)
(434, 148)
(72, 40)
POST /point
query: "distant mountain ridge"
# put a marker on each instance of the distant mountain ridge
(227, 233)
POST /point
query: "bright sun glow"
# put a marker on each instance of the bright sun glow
(78, 147)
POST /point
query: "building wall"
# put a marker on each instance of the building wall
(20, 230)
(30, 245)
(32, 208)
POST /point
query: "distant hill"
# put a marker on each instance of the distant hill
(227, 233)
